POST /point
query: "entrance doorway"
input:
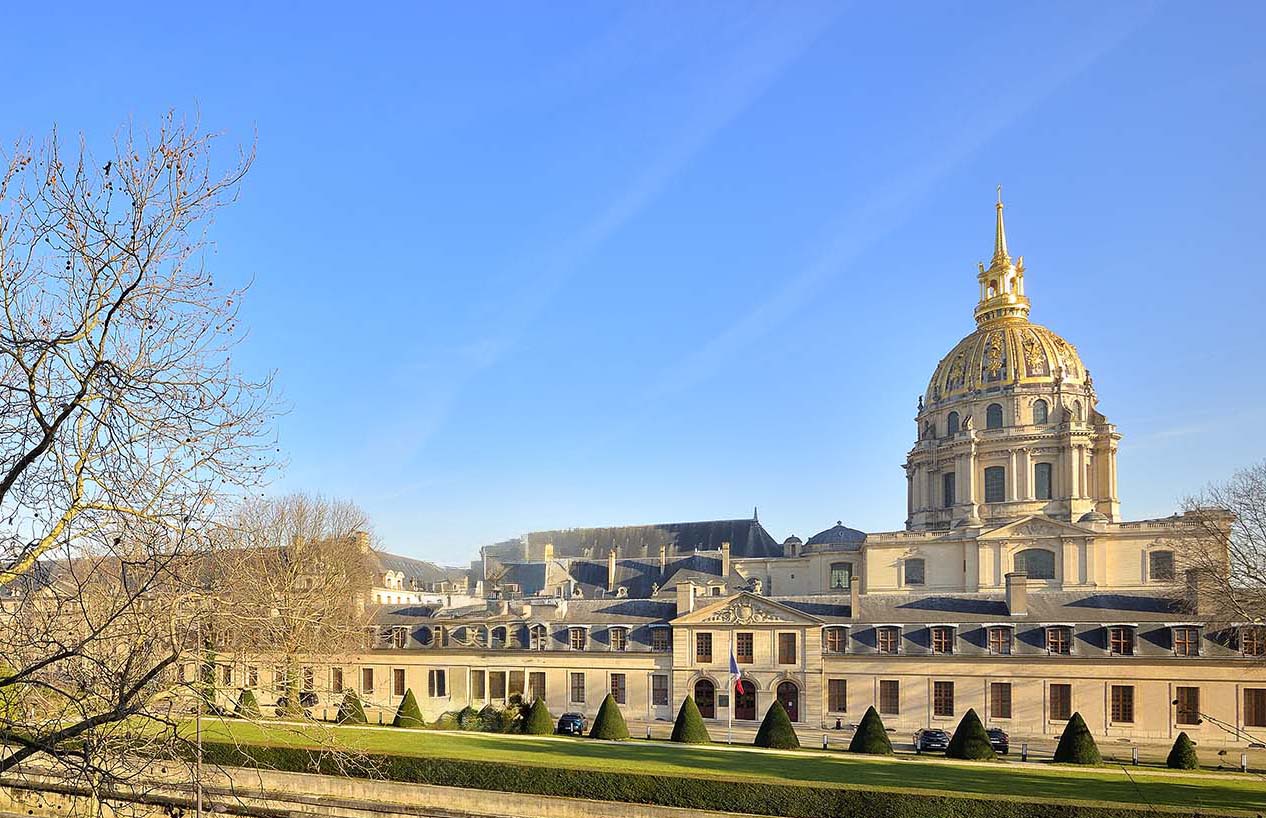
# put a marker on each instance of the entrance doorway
(789, 696)
(745, 701)
(706, 698)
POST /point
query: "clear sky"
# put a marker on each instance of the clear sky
(529, 266)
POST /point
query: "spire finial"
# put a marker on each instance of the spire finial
(1000, 236)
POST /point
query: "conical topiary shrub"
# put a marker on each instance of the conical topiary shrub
(970, 741)
(351, 711)
(776, 731)
(539, 721)
(408, 714)
(871, 737)
(1183, 755)
(1076, 745)
(247, 705)
(609, 723)
(689, 727)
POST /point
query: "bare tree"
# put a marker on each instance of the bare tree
(123, 425)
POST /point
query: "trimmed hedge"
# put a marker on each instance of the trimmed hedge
(689, 727)
(697, 793)
(871, 737)
(1183, 755)
(970, 741)
(1076, 745)
(408, 714)
(247, 705)
(776, 731)
(351, 711)
(539, 721)
(609, 723)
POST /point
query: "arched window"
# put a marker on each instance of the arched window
(498, 638)
(706, 698)
(1038, 563)
(1160, 566)
(1041, 412)
(537, 637)
(951, 424)
(841, 575)
(993, 416)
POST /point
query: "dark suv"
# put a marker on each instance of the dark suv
(573, 724)
(999, 740)
(930, 738)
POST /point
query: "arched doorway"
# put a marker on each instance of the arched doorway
(706, 698)
(789, 695)
(745, 701)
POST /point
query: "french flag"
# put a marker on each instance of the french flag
(735, 675)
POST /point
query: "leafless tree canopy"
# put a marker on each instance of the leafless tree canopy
(123, 427)
(1224, 541)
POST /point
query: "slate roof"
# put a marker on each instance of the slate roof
(839, 535)
(747, 538)
(414, 569)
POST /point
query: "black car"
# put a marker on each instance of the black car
(573, 724)
(930, 738)
(999, 740)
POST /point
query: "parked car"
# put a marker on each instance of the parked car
(573, 724)
(930, 738)
(999, 740)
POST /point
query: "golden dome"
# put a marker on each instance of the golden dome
(1005, 353)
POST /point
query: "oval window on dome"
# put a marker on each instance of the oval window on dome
(951, 423)
(993, 416)
(1041, 412)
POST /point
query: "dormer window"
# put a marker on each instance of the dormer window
(1121, 640)
(1000, 640)
(942, 639)
(835, 640)
(1186, 640)
(1253, 640)
(537, 637)
(619, 639)
(399, 636)
(888, 639)
(579, 638)
(1059, 640)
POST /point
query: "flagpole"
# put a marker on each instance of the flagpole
(729, 731)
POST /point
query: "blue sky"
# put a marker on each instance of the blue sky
(531, 266)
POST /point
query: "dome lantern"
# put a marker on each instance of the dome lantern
(1002, 284)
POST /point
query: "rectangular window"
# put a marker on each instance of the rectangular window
(578, 688)
(995, 484)
(496, 685)
(887, 639)
(478, 685)
(837, 695)
(1042, 481)
(537, 637)
(942, 698)
(367, 680)
(915, 572)
(1000, 700)
(252, 676)
(1253, 640)
(1000, 641)
(786, 648)
(660, 641)
(516, 683)
(942, 639)
(308, 677)
(336, 679)
(947, 489)
(835, 640)
(400, 637)
(1186, 641)
(619, 688)
(841, 576)
(226, 674)
(1255, 707)
(397, 681)
(743, 648)
(1059, 639)
(1061, 702)
(536, 685)
(659, 690)
(181, 673)
(436, 683)
(1188, 711)
(703, 647)
(619, 639)
(1161, 566)
(1123, 703)
(889, 697)
(579, 638)
(1121, 640)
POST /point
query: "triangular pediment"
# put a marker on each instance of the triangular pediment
(746, 609)
(1035, 526)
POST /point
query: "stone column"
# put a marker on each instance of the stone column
(1013, 485)
(1026, 474)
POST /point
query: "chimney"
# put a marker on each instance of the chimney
(611, 569)
(1018, 593)
(854, 597)
(549, 551)
(663, 560)
(1201, 592)
(685, 597)
(361, 539)
(725, 560)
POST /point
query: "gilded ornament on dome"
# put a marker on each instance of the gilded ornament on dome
(1034, 357)
(995, 357)
(956, 372)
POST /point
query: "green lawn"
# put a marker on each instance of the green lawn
(1217, 791)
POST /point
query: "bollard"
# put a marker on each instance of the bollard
(648, 732)
(824, 744)
(1243, 762)
(1024, 751)
(1134, 756)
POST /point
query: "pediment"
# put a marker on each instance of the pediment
(747, 609)
(1035, 527)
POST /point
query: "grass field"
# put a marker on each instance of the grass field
(1217, 791)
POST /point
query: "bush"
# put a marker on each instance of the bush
(247, 705)
(539, 721)
(1076, 745)
(689, 727)
(610, 722)
(776, 731)
(696, 794)
(495, 720)
(871, 737)
(468, 719)
(970, 741)
(408, 714)
(1183, 755)
(351, 711)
